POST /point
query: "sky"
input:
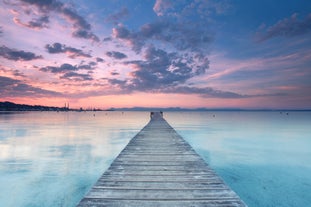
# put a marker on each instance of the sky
(156, 53)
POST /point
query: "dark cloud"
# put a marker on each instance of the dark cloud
(121, 32)
(161, 69)
(154, 29)
(16, 88)
(180, 34)
(82, 33)
(193, 36)
(92, 63)
(184, 9)
(134, 40)
(55, 48)
(6, 81)
(116, 17)
(1, 31)
(14, 72)
(72, 52)
(99, 60)
(116, 55)
(82, 29)
(76, 76)
(188, 36)
(89, 66)
(126, 86)
(164, 72)
(182, 25)
(69, 72)
(45, 5)
(38, 23)
(114, 81)
(78, 21)
(17, 73)
(64, 68)
(61, 69)
(114, 73)
(107, 39)
(21, 55)
(288, 27)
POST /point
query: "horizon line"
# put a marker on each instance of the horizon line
(169, 108)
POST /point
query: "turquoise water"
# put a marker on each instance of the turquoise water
(52, 159)
(264, 156)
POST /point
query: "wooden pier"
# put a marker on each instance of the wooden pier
(159, 168)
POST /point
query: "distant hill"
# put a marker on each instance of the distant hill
(10, 106)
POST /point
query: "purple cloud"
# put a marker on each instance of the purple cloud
(38, 23)
(114, 81)
(14, 72)
(78, 21)
(161, 6)
(76, 76)
(113, 73)
(45, 5)
(182, 9)
(69, 72)
(61, 69)
(72, 52)
(183, 36)
(82, 29)
(121, 32)
(168, 72)
(161, 69)
(288, 27)
(134, 40)
(116, 55)
(10, 87)
(55, 48)
(99, 60)
(64, 68)
(83, 33)
(18, 55)
(116, 17)
(90, 66)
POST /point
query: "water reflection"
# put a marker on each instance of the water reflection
(52, 159)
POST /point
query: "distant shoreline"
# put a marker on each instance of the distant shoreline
(10, 106)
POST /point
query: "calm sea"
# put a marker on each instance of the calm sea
(50, 159)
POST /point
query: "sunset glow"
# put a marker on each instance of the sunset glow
(161, 53)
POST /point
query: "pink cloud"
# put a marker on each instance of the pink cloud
(161, 6)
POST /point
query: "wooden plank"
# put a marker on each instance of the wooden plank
(159, 168)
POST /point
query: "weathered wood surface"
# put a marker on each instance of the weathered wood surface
(159, 168)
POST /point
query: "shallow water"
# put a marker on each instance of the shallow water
(52, 159)
(264, 156)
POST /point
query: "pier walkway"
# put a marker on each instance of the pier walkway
(159, 168)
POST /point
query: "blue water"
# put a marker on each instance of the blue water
(52, 159)
(264, 156)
